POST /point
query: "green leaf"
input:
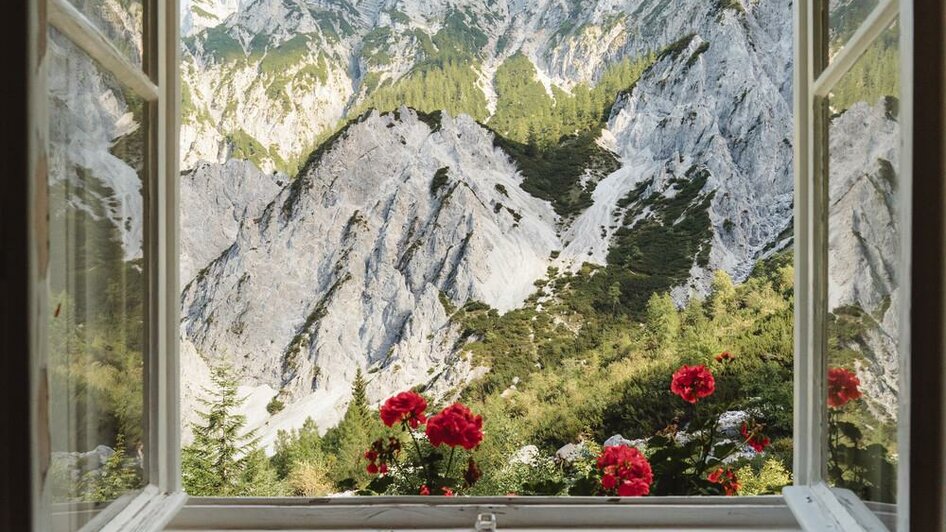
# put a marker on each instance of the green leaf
(381, 484)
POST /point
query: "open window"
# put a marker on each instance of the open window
(104, 362)
(851, 91)
(106, 293)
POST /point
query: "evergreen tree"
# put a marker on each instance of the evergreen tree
(722, 298)
(359, 398)
(351, 437)
(223, 459)
(118, 476)
(614, 296)
(663, 321)
(297, 446)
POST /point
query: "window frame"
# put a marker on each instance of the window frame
(156, 81)
(814, 502)
(157, 504)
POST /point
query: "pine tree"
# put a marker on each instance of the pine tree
(359, 398)
(217, 463)
(663, 321)
(349, 440)
(118, 476)
(297, 446)
(722, 295)
(614, 296)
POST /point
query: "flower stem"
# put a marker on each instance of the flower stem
(446, 473)
(420, 455)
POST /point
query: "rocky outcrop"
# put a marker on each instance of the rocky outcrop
(719, 101)
(215, 201)
(357, 262)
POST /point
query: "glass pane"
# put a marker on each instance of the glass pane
(96, 286)
(864, 296)
(843, 20)
(122, 21)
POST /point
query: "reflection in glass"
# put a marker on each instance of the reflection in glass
(122, 22)
(863, 268)
(844, 17)
(96, 286)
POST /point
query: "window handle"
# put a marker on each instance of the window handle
(486, 522)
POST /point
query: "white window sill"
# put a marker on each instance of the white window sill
(769, 513)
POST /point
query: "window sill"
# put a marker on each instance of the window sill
(437, 513)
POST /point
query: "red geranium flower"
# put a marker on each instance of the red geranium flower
(372, 468)
(754, 437)
(842, 387)
(726, 478)
(455, 425)
(626, 469)
(693, 383)
(424, 490)
(447, 492)
(405, 406)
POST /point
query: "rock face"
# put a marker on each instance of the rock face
(358, 260)
(95, 143)
(215, 201)
(864, 241)
(718, 101)
(273, 74)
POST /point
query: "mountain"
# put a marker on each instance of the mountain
(401, 217)
(266, 81)
(397, 219)
(634, 144)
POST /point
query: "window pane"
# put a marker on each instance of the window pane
(863, 291)
(845, 16)
(122, 22)
(96, 286)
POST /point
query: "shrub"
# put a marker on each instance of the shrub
(274, 406)
(310, 479)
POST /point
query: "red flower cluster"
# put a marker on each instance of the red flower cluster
(842, 387)
(754, 437)
(693, 383)
(404, 407)
(726, 478)
(725, 355)
(379, 455)
(455, 425)
(626, 469)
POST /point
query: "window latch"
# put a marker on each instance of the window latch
(486, 522)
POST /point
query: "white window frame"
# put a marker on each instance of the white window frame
(156, 81)
(816, 504)
(810, 503)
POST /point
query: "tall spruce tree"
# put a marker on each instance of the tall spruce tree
(223, 458)
(351, 437)
(359, 397)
